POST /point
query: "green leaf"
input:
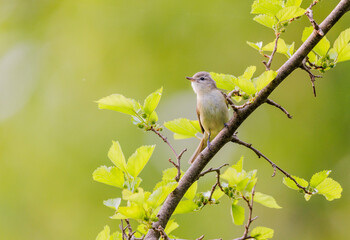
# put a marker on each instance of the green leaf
(239, 165)
(185, 206)
(153, 118)
(245, 85)
(262, 233)
(112, 203)
(171, 226)
(264, 79)
(160, 194)
(115, 154)
(296, 3)
(195, 124)
(330, 189)
(322, 47)
(139, 159)
(217, 194)
(268, 7)
(289, 183)
(119, 103)
(237, 213)
(317, 178)
(288, 13)
(182, 127)
(223, 81)
(266, 200)
(109, 175)
(248, 73)
(342, 41)
(267, 21)
(191, 192)
(307, 196)
(257, 45)
(133, 211)
(345, 54)
(281, 46)
(137, 197)
(152, 100)
(104, 234)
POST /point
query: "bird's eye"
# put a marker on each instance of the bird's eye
(202, 78)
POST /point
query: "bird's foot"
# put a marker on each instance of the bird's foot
(226, 125)
(209, 144)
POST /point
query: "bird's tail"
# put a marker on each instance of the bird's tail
(200, 148)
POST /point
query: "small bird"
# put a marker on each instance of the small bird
(212, 110)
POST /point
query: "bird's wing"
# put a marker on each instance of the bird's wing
(199, 119)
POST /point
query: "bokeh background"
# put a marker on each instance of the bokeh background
(59, 56)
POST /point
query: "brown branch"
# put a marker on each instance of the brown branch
(310, 15)
(311, 75)
(269, 101)
(178, 156)
(225, 135)
(275, 167)
(268, 64)
(250, 219)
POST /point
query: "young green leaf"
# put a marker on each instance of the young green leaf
(267, 21)
(245, 85)
(257, 45)
(266, 200)
(268, 7)
(171, 226)
(239, 165)
(191, 192)
(322, 47)
(185, 206)
(330, 189)
(264, 79)
(237, 213)
(104, 234)
(217, 194)
(152, 100)
(109, 175)
(119, 103)
(248, 73)
(262, 233)
(288, 13)
(182, 127)
(289, 183)
(317, 178)
(281, 46)
(115, 154)
(133, 211)
(139, 159)
(342, 46)
(137, 197)
(223, 81)
(112, 203)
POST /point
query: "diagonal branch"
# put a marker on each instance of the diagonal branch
(226, 133)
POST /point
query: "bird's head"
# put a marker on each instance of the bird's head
(202, 82)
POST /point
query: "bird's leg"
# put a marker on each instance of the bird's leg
(208, 141)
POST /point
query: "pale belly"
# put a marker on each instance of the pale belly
(213, 112)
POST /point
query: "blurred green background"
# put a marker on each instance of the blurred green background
(58, 56)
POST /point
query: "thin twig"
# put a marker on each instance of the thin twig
(178, 156)
(311, 75)
(310, 15)
(160, 229)
(123, 229)
(269, 101)
(200, 238)
(275, 167)
(250, 219)
(268, 64)
(130, 232)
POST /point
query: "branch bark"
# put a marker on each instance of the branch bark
(240, 115)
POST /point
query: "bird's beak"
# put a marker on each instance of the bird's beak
(190, 78)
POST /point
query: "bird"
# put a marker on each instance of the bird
(212, 110)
